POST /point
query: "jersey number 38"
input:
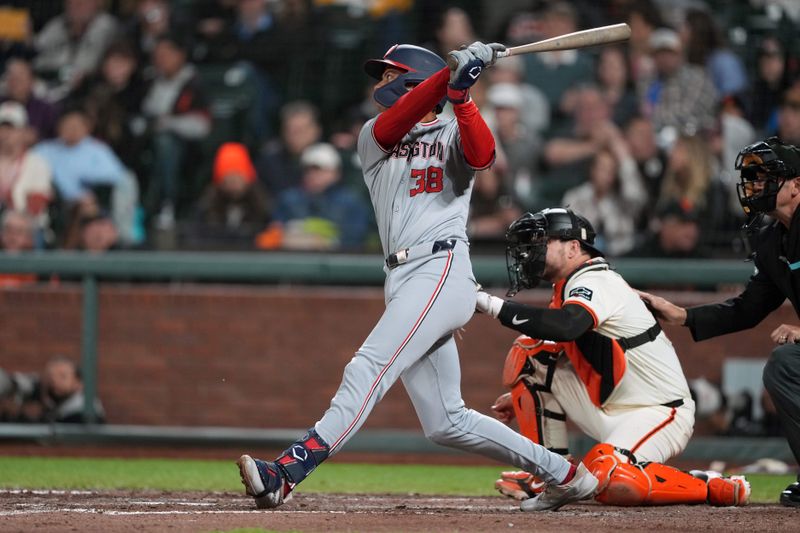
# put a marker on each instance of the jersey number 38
(426, 180)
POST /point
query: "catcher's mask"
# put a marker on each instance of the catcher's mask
(416, 64)
(527, 238)
(763, 169)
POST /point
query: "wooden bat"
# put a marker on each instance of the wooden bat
(579, 39)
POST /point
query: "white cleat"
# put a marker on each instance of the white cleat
(580, 487)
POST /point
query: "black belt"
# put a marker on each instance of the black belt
(674, 404)
(646, 336)
(407, 254)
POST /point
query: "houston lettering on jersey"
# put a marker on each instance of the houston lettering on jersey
(410, 150)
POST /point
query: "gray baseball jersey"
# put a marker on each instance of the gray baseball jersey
(420, 190)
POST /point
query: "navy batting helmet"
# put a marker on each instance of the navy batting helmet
(526, 243)
(417, 65)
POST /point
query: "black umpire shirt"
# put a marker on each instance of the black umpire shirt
(776, 277)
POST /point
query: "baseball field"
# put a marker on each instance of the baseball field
(111, 494)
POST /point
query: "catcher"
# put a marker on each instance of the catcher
(606, 365)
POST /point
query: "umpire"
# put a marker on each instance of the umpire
(769, 185)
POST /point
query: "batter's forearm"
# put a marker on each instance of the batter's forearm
(476, 139)
(395, 122)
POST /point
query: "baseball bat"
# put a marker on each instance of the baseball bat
(579, 39)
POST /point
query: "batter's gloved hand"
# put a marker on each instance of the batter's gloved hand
(465, 69)
(486, 303)
(486, 52)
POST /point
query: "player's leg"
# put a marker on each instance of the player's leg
(630, 465)
(424, 304)
(433, 384)
(782, 379)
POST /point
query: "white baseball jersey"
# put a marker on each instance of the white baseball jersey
(653, 373)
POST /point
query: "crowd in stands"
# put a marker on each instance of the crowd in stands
(232, 124)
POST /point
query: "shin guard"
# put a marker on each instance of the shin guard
(302, 457)
(628, 483)
(528, 372)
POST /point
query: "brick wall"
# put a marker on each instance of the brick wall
(265, 357)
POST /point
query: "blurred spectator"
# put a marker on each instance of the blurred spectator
(705, 47)
(772, 78)
(789, 115)
(178, 114)
(234, 208)
(25, 177)
(454, 31)
(17, 234)
(535, 110)
(492, 207)
(675, 234)
(689, 177)
(84, 169)
(521, 145)
(321, 214)
(151, 20)
(279, 164)
(568, 154)
(733, 132)
(682, 98)
(70, 45)
(616, 86)
(650, 159)
(98, 233)
(644, 18)
(556, 72)
(19, 87)
(112, 97)
(612, 199)
(55, 395)
(345, 139)
(254, 35)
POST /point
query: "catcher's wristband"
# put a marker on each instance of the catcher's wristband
(457, 96)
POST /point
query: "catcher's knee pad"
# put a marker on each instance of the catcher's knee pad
(529, 369)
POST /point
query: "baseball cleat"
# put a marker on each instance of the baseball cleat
(728, 491)
(264, 481)
(790, 497)
(519, 485)
(580, 487)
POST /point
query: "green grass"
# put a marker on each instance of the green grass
(177, 475)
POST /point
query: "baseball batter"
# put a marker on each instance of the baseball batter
(419, 171)
(612, 371)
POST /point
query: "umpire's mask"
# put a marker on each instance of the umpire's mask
(763, 169)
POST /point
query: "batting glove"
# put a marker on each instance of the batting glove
(486, 303)
(465, 69)
(486, 52)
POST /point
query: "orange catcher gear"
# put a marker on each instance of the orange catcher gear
(528, 372)
(624, 482)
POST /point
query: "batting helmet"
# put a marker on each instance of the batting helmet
(526, 243)
(763, 169)
(417, 65)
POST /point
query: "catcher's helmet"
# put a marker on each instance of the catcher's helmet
(763, 169)
(417, 64)
(526, 243)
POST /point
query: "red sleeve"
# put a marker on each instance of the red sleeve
(398, 120)
(476, 139)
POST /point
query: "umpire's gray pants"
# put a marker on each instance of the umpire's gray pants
(782, 381)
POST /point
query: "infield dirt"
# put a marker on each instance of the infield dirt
(90, 511)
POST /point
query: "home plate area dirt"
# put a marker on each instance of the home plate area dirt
(89, 511)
